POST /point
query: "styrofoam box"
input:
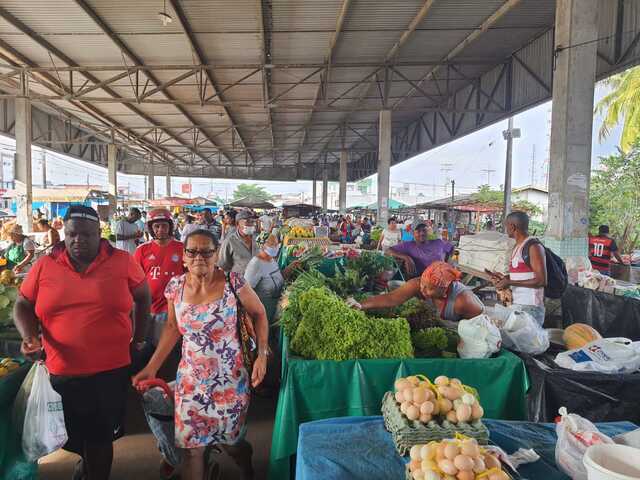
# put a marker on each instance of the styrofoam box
(490, 250)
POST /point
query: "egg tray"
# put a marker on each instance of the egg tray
(409, 476)
(407, 433)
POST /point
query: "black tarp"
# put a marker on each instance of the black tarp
(598, 397)
(610, 315)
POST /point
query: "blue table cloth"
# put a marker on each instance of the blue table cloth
(354, 448)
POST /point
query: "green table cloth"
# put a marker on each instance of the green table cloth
(319, 389)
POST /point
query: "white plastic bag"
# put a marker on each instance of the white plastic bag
(44, 430)
(606, 355)
(479, 338)
(575, 435)
(522, 333)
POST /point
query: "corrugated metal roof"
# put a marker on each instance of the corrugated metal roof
(459, 14)
(125, 16)
(302, 15)
(299, 47)
(381, 15)
(215, 16)
(230, 48)
(51, 16)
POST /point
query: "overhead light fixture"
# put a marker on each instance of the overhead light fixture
(165, 18)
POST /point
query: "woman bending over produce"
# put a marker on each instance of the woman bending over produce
(439, 283)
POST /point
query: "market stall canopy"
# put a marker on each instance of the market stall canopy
(252, 203)
(274, 90)
(462, 203)
(66, 195)
(299, 210)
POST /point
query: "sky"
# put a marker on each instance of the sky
(470, 157)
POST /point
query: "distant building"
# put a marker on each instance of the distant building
(536, 195)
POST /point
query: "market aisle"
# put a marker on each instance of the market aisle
(137, 458)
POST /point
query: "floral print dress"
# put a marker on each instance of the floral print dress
(212, 385)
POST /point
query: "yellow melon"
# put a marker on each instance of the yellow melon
(578, 335)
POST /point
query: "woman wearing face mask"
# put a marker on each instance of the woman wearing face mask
(239, 247)
(265, 277)
(212, 386)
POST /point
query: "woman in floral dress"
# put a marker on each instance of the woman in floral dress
(212, 386)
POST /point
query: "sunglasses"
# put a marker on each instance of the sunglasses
(191, 253)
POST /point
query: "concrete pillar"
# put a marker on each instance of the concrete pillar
(384, 166)
(112, 174)
(314, 195)
(571, 126)
(325, 188)
(22, 169)
(168, 185)
(151, 183)
(342, 193)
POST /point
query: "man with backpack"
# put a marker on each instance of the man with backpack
(528, 268)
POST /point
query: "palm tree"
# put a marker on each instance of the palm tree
(623, 101)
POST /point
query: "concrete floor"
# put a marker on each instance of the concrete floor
(136, 456)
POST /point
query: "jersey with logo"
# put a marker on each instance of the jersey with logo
(160, 264)
(600, 251)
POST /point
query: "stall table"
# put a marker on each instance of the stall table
(319, 389)
(360, 448)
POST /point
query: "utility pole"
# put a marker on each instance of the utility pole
(488, 171)
(509, 135)
(445, 168)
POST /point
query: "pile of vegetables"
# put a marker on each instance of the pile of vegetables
(435, 342)
(376, 234)
(291, 312)
(460, 458)
(445, 400)
(347, 283)
(330, 330)
(8, 294)
(419, 314)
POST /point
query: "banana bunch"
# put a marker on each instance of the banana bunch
(301, 232)
(8, 365)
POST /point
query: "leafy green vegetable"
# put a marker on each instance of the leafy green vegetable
(419, 314)
(331, 330)
(292, 314)
(346, 283)
(433, 342)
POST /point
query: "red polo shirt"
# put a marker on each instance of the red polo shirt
(85, 317)
(160, 264)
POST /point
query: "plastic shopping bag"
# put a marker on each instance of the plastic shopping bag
(44, 430)
(22, 398)
(575, 435)
(479, 337)
(522, 333)
(606, 355)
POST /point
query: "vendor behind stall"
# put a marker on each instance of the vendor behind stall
(601, 248)
(20, 251)
(419, 253)
(440, 284)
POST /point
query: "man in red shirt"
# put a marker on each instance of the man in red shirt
(161, 260)
(601, 248)
(79, 297)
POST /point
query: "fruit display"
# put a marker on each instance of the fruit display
(300, 232)
(454, 459)
(8, 365)
(8, 295)
(446, 399)
(578, 335)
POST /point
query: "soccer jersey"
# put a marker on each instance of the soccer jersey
(160, 264)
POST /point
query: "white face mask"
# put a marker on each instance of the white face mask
(249, 230)
(272, 251)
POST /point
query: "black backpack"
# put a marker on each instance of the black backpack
(557, 277)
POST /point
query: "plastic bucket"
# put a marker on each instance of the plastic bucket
(612, 462)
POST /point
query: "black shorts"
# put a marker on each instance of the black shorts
(93, 406)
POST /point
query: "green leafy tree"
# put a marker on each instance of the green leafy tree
(496, 197)
(622, 104)
(614, 199)
(253, 192)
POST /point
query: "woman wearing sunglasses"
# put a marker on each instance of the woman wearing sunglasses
(212, 387)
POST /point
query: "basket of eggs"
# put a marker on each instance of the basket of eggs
(419, 411)
(460, 458)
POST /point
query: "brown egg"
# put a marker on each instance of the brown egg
(427, 408)
(477, 412)
(428, 451)
(455, 381)
(444, 405)
(430, 394)
(454, 393)
(462, 462)
(414, 380)
(419, 395)
(401, 384)
(447, 467)
(425, 418)
(412, 412)
(414, 453)
(463, 413)
(498, 476)
(428, 465)
(418, 475)
(404, 406)
(491, 461)
(407, 393)
(399, 397)
(424, 384)
(414, 465)
(452, 417)
(451, 451)
(442, 380)
(470, 448)
(440, 451)
(478, 465)
(465, 475)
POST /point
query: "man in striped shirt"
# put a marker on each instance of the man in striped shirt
(601, 248)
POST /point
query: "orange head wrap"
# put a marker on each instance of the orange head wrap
(440, 274)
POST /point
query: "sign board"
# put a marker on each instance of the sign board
(186, 188)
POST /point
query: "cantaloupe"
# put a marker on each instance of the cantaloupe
(578, 335)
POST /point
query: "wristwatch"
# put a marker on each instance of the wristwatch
(264, 352)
